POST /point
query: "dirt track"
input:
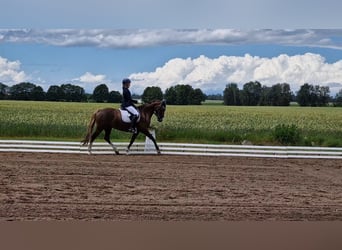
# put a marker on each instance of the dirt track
(82, 187)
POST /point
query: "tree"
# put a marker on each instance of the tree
(309, 95)
(251, 93)
(101, 93)
(38, 94)
(22, 91)
(280, 94)
(314, 98)
(73, 93)
(3, 91)
(323, 96)
(304, 95)
(54, 93)
(170, 95)
(151, 94)
(197, 97)
(184, 95)
(265, 98)
(78, 94)
(338, 99)
(114, 97)
(231, 94)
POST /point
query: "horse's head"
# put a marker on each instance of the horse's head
(159, 110)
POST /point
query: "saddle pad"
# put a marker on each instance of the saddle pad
(125, 116)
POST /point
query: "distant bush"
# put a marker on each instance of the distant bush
(287, 134)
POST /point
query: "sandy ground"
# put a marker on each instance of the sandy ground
(81, 187)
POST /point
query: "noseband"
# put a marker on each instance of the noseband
(157, 113)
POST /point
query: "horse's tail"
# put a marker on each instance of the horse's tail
(91, 125)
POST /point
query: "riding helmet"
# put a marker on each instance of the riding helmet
(125, 81)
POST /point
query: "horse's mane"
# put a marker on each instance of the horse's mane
(143, 106)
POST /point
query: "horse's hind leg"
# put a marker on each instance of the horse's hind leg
(93, 137)
(107, 139)
(134, 136)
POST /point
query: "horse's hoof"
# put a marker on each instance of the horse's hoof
(89, 152)
(158, 152)
(117, 152)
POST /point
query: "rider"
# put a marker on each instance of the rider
(128, 104)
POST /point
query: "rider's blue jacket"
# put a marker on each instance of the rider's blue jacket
(127, 98)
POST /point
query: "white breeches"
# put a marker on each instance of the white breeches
(132, 110)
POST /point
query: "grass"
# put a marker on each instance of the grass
(226, 124)
(48, 120)
(192, 124)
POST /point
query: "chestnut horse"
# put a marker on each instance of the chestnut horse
(108, 118)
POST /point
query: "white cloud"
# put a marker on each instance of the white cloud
(91, 78)
(130, 38)
(212, 75)
(89, 81)
(10, 72)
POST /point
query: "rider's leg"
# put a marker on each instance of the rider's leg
(134, 118)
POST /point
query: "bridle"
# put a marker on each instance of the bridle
(158, 113)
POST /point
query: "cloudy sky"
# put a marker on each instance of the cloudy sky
(204, 43)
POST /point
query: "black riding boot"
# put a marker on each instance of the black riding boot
(133, 128)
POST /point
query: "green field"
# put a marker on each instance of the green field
(193, 124)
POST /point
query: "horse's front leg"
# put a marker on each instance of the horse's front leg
(150, 136)
(134, 136)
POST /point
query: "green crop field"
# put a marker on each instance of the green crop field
(193, 124)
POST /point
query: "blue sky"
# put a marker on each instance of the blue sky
(206, 44)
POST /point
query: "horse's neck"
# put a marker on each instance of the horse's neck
(148, 110)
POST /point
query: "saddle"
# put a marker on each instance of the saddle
(126, 116)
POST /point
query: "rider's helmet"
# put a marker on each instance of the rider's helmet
(126, 81)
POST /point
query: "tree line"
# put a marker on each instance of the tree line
(178, 95)
(65, 92)
(252, 94)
